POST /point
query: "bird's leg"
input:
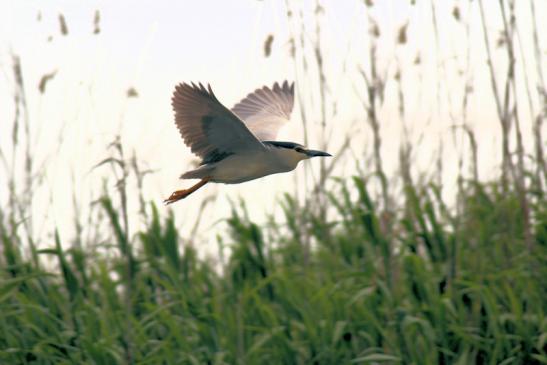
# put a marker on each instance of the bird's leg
(181, 194)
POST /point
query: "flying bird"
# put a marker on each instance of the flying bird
(236, 145)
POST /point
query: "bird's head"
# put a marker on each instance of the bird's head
(291, 153)
(310, 153)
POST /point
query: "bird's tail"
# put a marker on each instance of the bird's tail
(199, 173)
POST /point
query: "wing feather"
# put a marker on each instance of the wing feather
(210, 129)
(266, 110)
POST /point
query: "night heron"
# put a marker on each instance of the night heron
(236, 145)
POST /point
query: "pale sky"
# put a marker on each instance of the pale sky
(151, 46)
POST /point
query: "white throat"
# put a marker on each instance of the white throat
(286, 158)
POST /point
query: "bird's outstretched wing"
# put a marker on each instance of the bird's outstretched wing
(266, 110)
(210, 129)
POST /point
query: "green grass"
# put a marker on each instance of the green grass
(421, 285)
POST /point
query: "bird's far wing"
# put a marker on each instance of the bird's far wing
(210, 129)
(266, 110)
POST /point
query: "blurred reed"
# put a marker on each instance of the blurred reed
(376, 268)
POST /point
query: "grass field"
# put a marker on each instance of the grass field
(425, 285)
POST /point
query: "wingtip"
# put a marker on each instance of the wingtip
(182, 87)
(285, 86)
(289, 86)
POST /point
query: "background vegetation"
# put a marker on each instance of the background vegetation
(369, 268)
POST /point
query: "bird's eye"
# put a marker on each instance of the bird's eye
(299, 150)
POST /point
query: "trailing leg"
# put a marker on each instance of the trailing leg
(181, 194)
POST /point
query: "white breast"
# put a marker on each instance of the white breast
(244, 167)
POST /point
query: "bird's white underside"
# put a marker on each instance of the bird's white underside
(241, 167)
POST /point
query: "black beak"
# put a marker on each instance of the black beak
(313, 153)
